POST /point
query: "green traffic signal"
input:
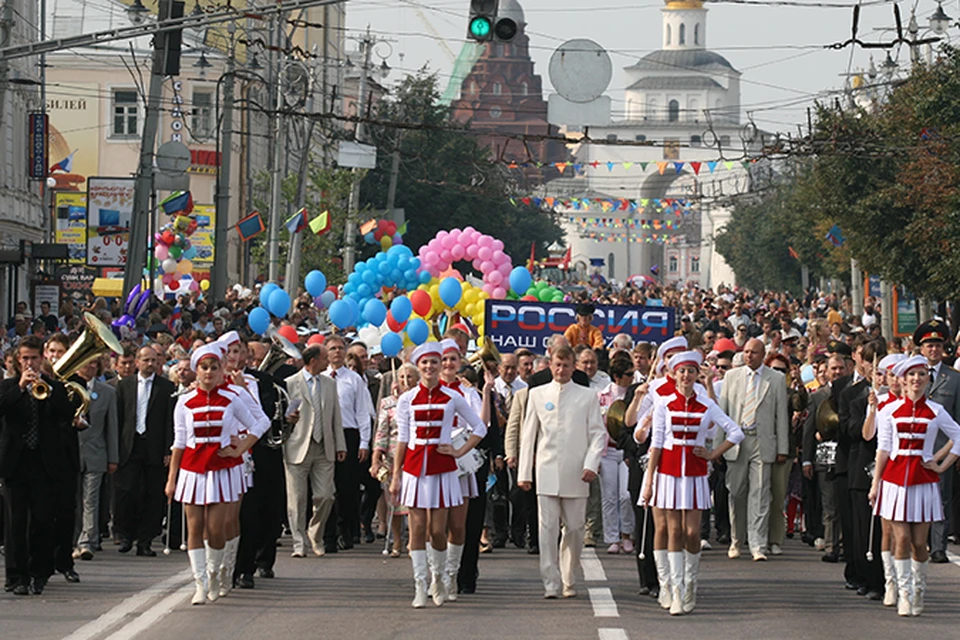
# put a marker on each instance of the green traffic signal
(480, 27)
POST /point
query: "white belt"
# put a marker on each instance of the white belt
(907, 435)
(909, 452)
(422, 442)
(206, 440)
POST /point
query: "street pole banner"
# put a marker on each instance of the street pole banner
(109, 211)
(515, 324)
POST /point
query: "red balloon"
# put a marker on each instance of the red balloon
(315, 339)
(378, 234)
(391, 228)
(334, 290)
(289, 333)
(382, 225)
(422, 304)
(529, 298)
(167, 237)
(395, 326)
(174, 285)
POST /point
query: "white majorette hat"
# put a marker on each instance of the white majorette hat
(889, 361)
(206, 351)
(900, 369)
(687, 357)
(228, 339)
(673, 344)
(447, 345)
(426, 349)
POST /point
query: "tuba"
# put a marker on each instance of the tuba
(486, 353)
(96, 340)
(281, 350)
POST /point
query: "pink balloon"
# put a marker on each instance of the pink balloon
(489, 288)
(485, 241)
(448, 241)
(497, 245)
(455, 234)
(494, 277)
(484, 253)
(441, 235)
(431, 258)
(499, 293)
(505, 268)
(486, 267)
(465, 240)
(472, 251)
(161, 252)
(476, 264)
(446, 257)
(194, 285)
(468, 229)
(499, 256)
(458, 252)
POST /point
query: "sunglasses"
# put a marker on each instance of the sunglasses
(780, 369)
(724, 367)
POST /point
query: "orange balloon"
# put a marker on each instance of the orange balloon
(315, 339)
(422, 302)
(289, 333)
(451, 273)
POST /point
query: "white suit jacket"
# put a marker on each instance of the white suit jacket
(563, 431)
(773, 417)
(298, 444)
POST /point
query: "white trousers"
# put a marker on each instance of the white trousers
(748, 480)
(557, 565)
(615, 497)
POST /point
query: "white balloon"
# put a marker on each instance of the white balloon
(169, 265)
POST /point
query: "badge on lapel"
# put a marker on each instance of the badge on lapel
(94, 395)
(550, 406)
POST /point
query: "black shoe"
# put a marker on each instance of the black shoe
(125, 546)
(499, 544)
(71, 575)
(37, 585)
(331, 548)
(644, 591)
(850, 586)
(469, 589)
(519, 544)
(20, 590)
(534, 550)
(723, 539)
(790, 535)
(873, 594)
(146, 551)
(862, 590)
(368, 537)
(265, 573)
(830, 557)
(245, 581)
(654, 592)
(356, 540)
(807, 539)
(939, 557)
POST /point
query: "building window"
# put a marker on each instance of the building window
(669, 34)
(693, 109)
(201, 121)
(495, 112)
(673, 111)
(673, 264)
(696, 34)
(671, 149)
(640, 138)
(683, 34)
(125, 113)
(611, 137)
(695, 141)
(473, 88)
(497, 89)
(652, 108)
(695, 264)
(524, 89)
(725, 141)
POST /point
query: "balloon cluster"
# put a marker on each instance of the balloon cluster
(273, 300)
(172, 247)
(395, 268)
(135, 304)
(316, 285)
(483, 251)
(543, 292)
(386, 235)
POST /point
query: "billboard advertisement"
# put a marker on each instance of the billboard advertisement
(70, 208)
(109, 210)
(202, 238)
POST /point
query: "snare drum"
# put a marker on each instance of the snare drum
(826, 456)
(470, 462)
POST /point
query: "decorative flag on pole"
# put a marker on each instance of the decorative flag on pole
(65, 165)
(835, 236)
(368, 226)
(321, 224)
(655, 269)
(176, 202)
(402, 229)
(533, 249)
(793, 253)
(250, 227)
(565, 265)
(298, 221)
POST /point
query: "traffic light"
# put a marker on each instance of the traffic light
(166, 61)
(483, 18)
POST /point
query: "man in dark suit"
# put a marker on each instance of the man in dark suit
(841, 487)
(944, 390)
(853, 412)
(30, 456)
(145, 414)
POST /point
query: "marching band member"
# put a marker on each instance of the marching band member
(206, 472)
(678, 484)
(905, 489)
(425, 469)
(450, 361)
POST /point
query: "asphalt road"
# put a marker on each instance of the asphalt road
(362, 594)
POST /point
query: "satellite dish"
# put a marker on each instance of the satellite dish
(580, 70)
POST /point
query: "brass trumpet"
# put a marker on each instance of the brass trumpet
(39, 389)
(487, 353)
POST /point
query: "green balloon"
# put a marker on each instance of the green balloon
(557, 298)
(175, 252)
(544, 295)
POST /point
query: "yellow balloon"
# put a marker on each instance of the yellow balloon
(386, 242)
(465, 286)
(480, 330)
(204, 284)
(470, 295)
(184, 266)
(484, 295)
(469, 310)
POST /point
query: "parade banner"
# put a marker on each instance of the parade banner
(109, 210)
(515, 324)
(71, 212)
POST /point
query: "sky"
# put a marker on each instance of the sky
(779, 49)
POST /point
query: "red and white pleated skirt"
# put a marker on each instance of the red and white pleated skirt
(681, 493)
(223, 485)
(437, 491)
(912, 503)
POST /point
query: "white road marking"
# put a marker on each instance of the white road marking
(954, 558)
(99, 626)
(613, 634)
(604, 606)
(153, 615)
(592, 568)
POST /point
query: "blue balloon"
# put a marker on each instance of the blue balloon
(418, 331)
(450, 291)
(368, 237)
(375, 312)
(384, 267)
(354, 310)
(279, 303)
(425, 277)
(327, 298)
(400, 309)
(341, 314)
(259, 320)
(391, 344)
(265, 292)
(414, 263)
(315, 283)
(403, 263)
(364, 291)
(369, 276)
(190, 253)
(520, 280)
(360, 268)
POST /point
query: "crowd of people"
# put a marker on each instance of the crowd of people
(766, 416)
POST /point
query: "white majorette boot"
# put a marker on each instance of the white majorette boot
(226, 568)
(663, 574)
(919, 585)
(438, 566)
(198, 563)
(690, 574)
(454, 554)
(904, 586)
(889, 579)
(214, 560)
(419, 559)
(676, 582)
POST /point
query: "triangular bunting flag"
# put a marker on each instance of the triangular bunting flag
(627, 165)
(595, 164)
(661, 167)
(525, 201)
(610, 166)
(696, 168)
(729, 165)
(297, 222)
(678, 166)
(643, 166)
(712, 166)
(560, 166)
(402, 229)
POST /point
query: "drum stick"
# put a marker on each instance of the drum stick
(166, 537)
(643, 540)
(873, 519)
(386, 542)
(183, 528)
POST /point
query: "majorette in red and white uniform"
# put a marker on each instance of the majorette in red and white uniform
(665, 387)
(203, 423)
(425, 421)
(468, 482)
(250, 396)
(680, 423)
(907, 430)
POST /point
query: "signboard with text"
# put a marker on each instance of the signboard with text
(202, 238)
(70, 209)
(38, 153)
(109, 211)
(512, 324)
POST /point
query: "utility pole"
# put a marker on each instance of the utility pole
(856, 287)
(886, 309)
(350, 229)
(218, 287)
(273, 253)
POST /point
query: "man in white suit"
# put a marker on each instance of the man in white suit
(755, 397)
(310, 452)
(563, 434)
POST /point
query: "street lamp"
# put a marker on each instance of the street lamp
(137, 13)
(939, 21)
(202, 64)
(888, 68)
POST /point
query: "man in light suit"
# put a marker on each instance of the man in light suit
(564, 433)
(755, 397)
(99, 454)
(314, 445)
